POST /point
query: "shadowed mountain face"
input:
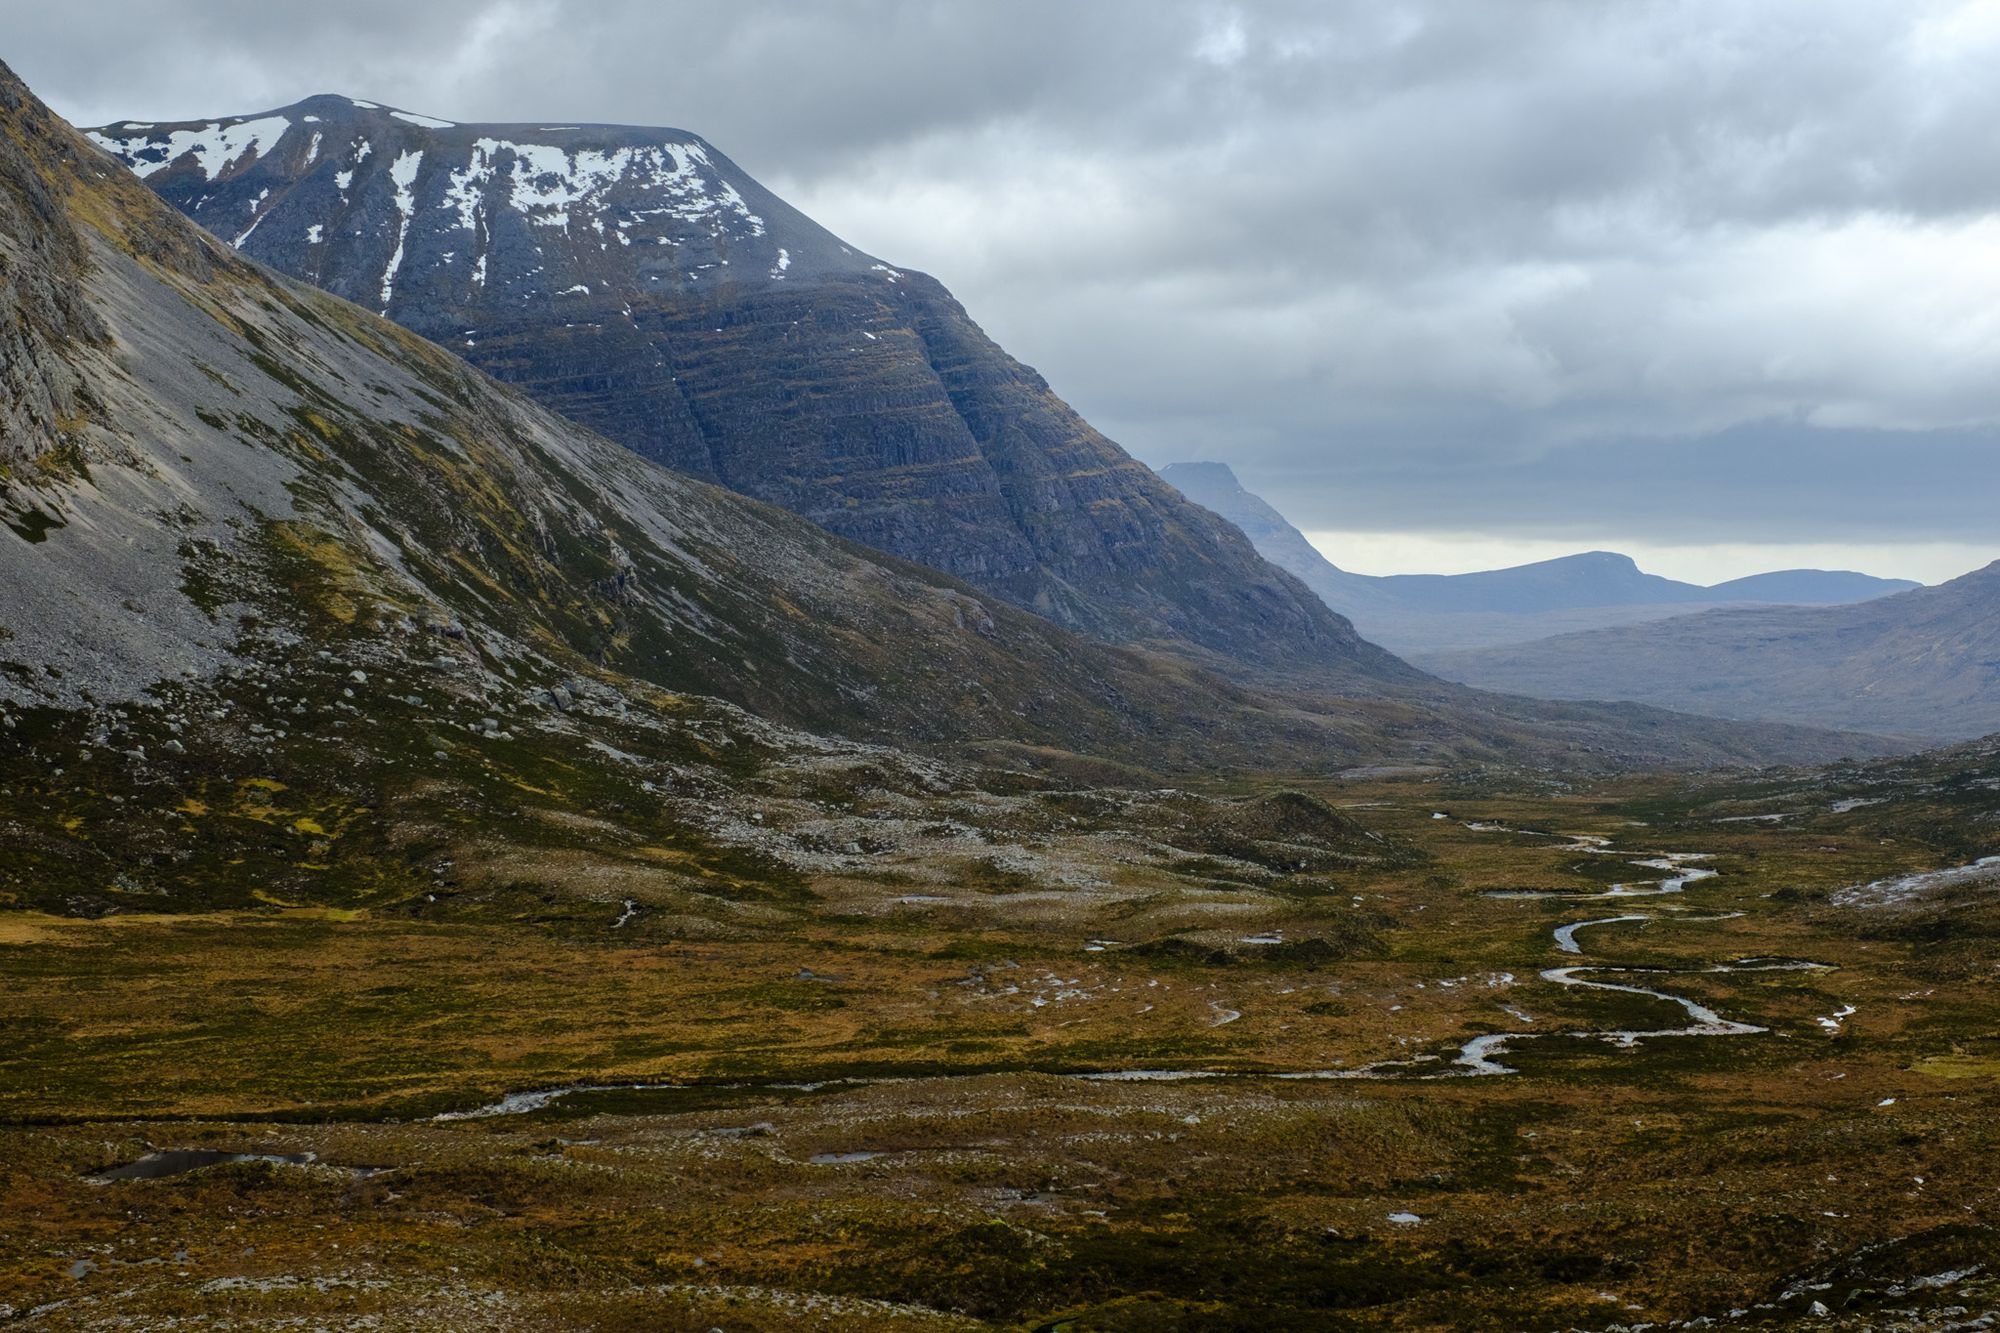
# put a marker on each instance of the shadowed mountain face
(639, 282)
(1921, 663)
(1418, 613)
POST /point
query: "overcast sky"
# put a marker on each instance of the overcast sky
(1452, 284)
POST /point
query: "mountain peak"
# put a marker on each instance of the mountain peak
(477, 213)
(1582, 564)
(1201, 473)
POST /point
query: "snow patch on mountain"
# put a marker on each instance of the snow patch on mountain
(462, 190)
(636, 193)
(549, 184)
(404, 173)
(215, 147)
(256, 216)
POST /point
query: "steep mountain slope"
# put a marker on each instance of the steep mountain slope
(639, 282)
(218, 464)
(1422, 613)
(228, 477)
(1921, 663)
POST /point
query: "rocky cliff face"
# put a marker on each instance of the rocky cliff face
(41, 315)
(639, 282)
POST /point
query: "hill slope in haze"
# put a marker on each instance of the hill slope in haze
(1921, 663)
(1426, 613)
(639, 282)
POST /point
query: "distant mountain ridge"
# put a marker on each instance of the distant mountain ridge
(1415, 613)
(1589, 578)
(639, 282)
(1811, 587)
(1921, 663)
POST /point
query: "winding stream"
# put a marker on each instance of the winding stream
(1678, 873)
(1478, 1057)
(1566, 935)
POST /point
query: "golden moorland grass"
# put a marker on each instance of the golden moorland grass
(871, 1115)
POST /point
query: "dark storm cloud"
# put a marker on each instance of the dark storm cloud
(1710, 267)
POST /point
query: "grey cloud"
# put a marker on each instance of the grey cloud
(1779, 480)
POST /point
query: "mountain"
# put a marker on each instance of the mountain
(213, 470)
(321, 536)
(1566, 583)
(640, 283)
(1423, 613)
(1920, 663)
(1810, 587)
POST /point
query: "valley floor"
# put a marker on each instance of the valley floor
(891, 1113)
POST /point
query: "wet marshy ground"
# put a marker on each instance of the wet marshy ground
(1609, 1104)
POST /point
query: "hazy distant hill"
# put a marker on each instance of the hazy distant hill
(1922, 663)
(1417, 613)
(1809, 587)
